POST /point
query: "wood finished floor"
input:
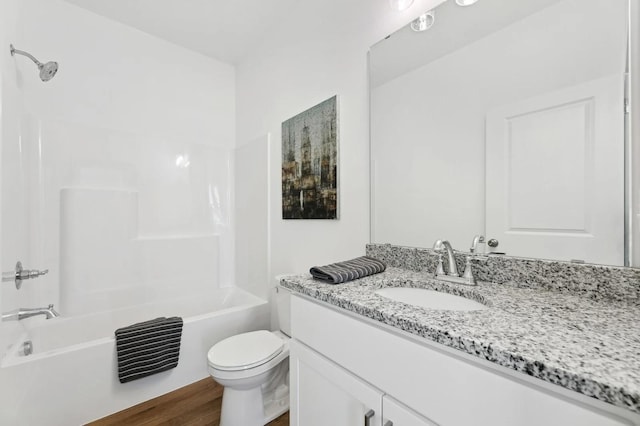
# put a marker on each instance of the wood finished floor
(195, 405)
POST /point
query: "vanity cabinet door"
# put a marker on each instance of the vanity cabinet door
(397, 414)
(322, 393)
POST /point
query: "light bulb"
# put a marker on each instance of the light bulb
(465, 2)
(400, 4)
(424, 21)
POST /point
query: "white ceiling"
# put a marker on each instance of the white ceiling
(221, 29)
(454, 27)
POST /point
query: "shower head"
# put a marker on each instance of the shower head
(47, 71)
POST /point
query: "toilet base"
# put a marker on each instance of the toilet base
(259, 405)
(276, 403)
(242, 407)
(247, 408)
(273, 412)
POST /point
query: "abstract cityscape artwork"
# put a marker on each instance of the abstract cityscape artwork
(310, 163)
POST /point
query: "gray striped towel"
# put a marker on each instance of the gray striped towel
(148, 347)
(353, 269)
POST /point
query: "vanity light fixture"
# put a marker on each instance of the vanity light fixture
(400, 5)
(465, 2)
(424, 21)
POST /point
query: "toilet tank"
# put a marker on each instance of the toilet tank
(283, 306)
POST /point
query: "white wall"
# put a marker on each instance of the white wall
(127, 114)
(428, 125)
(251, 196)
(304, 62)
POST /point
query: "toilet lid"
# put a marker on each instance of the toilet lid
(244, 351)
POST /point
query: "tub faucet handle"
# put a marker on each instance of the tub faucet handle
(28, 274)
(20, 274)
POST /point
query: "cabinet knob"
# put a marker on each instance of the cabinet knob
(388, 423)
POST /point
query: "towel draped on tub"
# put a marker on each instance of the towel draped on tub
(148, 347)
(340, 272)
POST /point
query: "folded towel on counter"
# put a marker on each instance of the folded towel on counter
(148, 347)
(353, 269)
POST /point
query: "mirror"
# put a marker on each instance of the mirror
(505, 119)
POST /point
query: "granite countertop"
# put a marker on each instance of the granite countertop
(588, 346)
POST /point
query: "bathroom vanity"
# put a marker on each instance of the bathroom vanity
(535, 356)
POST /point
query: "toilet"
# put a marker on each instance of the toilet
(253, 367)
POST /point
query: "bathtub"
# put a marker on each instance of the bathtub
(71, 376)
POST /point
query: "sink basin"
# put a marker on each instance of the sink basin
(430, 299)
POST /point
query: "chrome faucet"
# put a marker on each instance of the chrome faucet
(474, 244)
(22, 313)
(453, 267)
(453, 275)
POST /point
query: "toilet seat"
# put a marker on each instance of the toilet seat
(245, 351)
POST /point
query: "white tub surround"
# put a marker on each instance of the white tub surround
(117, 178)
(71, 378)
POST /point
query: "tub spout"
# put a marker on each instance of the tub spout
(22, 313)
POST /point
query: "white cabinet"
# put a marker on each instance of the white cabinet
(343, 365)
(325, 394)
(396, 414)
